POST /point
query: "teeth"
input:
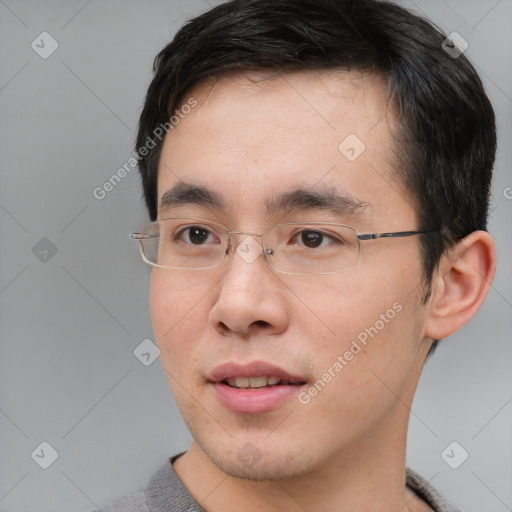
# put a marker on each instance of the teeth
(254, 382)
(258, 382)
(242, 382)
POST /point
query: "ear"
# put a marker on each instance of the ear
(460, 284)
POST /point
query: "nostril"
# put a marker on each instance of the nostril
(260, 323)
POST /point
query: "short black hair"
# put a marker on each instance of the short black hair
(445, 142)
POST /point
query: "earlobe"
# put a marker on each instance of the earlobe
(460, 284)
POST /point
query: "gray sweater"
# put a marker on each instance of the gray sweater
(166, 493)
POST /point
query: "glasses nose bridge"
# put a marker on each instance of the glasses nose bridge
(251, 233)
(244, 251)
(233, 233)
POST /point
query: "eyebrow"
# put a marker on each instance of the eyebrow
(330, 200)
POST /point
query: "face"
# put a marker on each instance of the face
(350, 344)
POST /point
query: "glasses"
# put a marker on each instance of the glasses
(305, 248)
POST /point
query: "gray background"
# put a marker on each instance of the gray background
(69, 324)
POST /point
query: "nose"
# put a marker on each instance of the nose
(251, 298)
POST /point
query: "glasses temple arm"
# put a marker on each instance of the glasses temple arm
(396, 234)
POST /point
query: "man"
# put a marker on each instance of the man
(318, 209)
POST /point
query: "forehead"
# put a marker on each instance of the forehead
(251, 136)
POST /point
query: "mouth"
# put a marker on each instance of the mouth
(253, 388)
(259, 382)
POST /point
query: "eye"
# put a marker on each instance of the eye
(313, 239)
(196, 235)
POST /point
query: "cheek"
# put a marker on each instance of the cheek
(369, 362)
(161, 299)
(370, 320)
(178, 313)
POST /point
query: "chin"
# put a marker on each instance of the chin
(251, 463)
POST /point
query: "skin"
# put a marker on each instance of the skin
(248, 139)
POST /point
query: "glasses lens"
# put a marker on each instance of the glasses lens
(316, 248)
(184, 243)
(292, 248)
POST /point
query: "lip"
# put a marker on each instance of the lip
(253, 400)
(253, 369)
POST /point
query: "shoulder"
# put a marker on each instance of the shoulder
(424, 489)
(133, 502)
(164, 492)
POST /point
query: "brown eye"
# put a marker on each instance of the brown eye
(195, 235)
(312, 239)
